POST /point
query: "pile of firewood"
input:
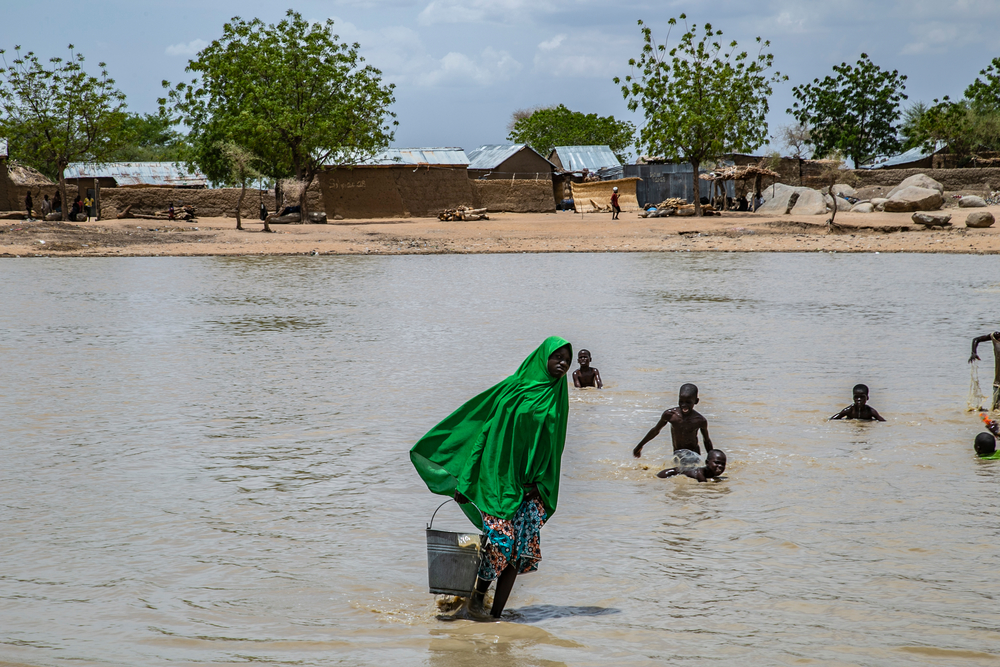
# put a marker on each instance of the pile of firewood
(675, 206)
(463, 213)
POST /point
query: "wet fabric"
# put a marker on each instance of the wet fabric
(516, 542)
(992, 457)
(510, 436)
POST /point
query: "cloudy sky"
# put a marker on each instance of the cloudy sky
(461, 67)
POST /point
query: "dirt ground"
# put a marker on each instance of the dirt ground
(503, 233)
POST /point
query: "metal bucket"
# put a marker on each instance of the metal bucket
(452, 560)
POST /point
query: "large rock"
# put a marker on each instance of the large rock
(971, 201)
(917, 181)
(842, 204)
(778, 199)
(913, 198)
(980, 219)
(863, 208)
(809, 202)
(878, 202)
(844, 190)
(932, 218)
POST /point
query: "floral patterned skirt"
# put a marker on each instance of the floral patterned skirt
(515, 542)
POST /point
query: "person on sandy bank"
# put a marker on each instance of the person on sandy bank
(586, 375)
(995, 338)
(500, 454)
(715, 465)
(859, 409)
(685, 422)
(615, 208)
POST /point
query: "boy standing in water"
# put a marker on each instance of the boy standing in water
(715, 465)
(860, 408)
(995, 337)
(586, 375)
(684, 422)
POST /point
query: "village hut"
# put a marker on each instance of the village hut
(579, 164)
(509, 161)
(398, 182)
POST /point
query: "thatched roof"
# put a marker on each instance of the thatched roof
(23, 175)
(738, 173)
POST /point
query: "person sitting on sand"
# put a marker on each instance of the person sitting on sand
(715, 465)
(586, 375)
(860, 408)
(684, 422)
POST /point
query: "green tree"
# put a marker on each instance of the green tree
(57, 113)
(292, 94)
(854, 111)
(544, 129)
(149, 138)
(242, 169)
(701, 100)
(985, 95)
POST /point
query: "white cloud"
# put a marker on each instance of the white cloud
(402, 56)
(189, 49)
(588, 54)
(509, 12)
(935, 38)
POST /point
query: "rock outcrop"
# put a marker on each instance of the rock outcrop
(865, 207)
(979, 219)
(844, 190)
(971, 201)
(917, 181)
(809, 202)
(913, 198)
(932, 219)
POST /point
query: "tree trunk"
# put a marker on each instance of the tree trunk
(239, 204)
(304, 215)
(833, 214)
(62, 189)
(800, 172)
(97, 200)
(697, 189)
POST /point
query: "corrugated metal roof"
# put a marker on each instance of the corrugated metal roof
(577, 158)
(491, 156)
(413, 157)
(912, 155)
(138, 173)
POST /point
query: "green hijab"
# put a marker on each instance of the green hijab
(509, 436)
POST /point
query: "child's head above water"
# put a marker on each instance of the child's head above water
(986, 444)
(715, 463)
(583, 357)
(860, 394)
(687, 397)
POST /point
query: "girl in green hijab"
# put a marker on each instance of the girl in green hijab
(501, 453)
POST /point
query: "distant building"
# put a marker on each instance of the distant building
(398, 182)
(915, 158)
(580, 158)
(508, 161)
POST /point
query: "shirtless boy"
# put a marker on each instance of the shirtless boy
(860, 408)
(995, 337)
(715, 465)
(586, 375)
(684, 422)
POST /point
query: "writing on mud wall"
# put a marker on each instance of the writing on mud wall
(348, 185)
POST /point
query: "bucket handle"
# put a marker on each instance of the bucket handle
(452, 500)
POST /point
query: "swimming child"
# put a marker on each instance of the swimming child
(715, 465)
(986, 443)
(860, 408)
(995, 338)
(586, 375)
(684, 422)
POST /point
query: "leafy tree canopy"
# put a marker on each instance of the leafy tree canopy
(149, 138)
(985, 95)
(290, 93)
(701, 98)
(544, 129)
(854, 111)
(56, 113)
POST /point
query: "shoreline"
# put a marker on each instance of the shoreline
(504, 233)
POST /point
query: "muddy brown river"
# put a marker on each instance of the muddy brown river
(205, 459)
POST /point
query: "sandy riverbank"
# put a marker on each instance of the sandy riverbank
(503, 233)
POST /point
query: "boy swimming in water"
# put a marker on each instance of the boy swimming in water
(986, 443)
(586, 375)
(715, 465)
(684, 422)
(860, 408)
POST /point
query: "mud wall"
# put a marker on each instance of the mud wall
(513, 195)
(586, 195)
(985, 179)
(6, 188)
(216, 203)
(393, 192)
